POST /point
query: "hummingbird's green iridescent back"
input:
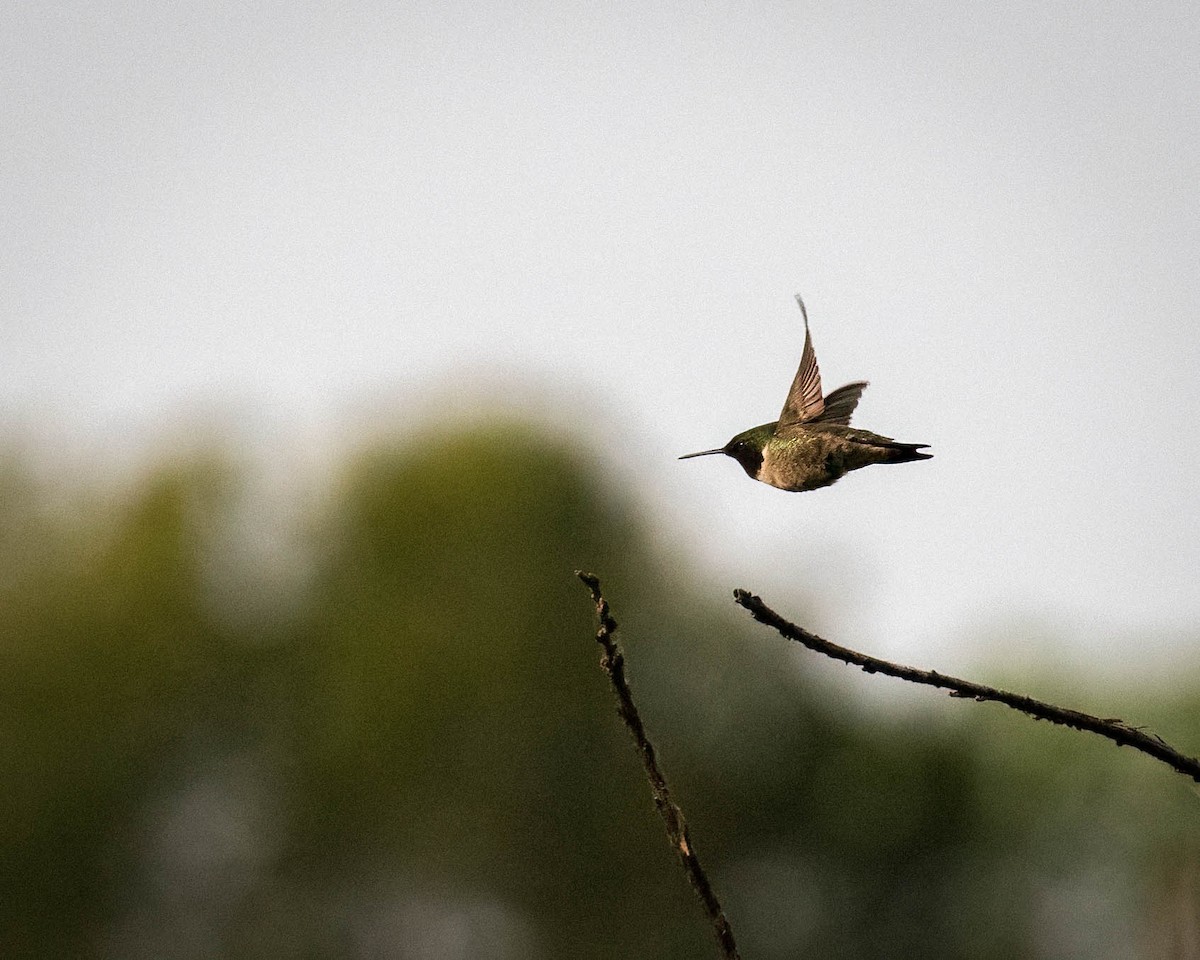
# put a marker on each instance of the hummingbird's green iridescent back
(812, 444)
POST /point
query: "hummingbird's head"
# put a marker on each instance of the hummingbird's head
(746, 448)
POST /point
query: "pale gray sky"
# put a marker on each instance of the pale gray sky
(992, 210)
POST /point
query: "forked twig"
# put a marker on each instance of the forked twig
(613, 663)
(1115, 730)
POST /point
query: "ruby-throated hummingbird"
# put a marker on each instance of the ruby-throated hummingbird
(812, 444)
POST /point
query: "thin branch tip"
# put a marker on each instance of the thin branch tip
(1112, 729)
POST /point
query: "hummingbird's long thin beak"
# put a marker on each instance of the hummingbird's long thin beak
(702, 453)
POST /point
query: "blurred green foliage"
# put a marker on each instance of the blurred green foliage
(412, 752)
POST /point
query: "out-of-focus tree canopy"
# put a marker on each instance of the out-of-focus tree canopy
(410, 752)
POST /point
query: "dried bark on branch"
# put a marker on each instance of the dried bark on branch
(613, 663)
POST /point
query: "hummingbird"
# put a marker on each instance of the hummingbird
(812, 444)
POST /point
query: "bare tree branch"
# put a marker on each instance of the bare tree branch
(613, 663)
(1113, 729)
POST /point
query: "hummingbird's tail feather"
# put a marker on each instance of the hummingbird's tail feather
(906, 453)
(891, 451)
(884, 449)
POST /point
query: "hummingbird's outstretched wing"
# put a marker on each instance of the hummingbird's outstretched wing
(804, 401)
(840, 403)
